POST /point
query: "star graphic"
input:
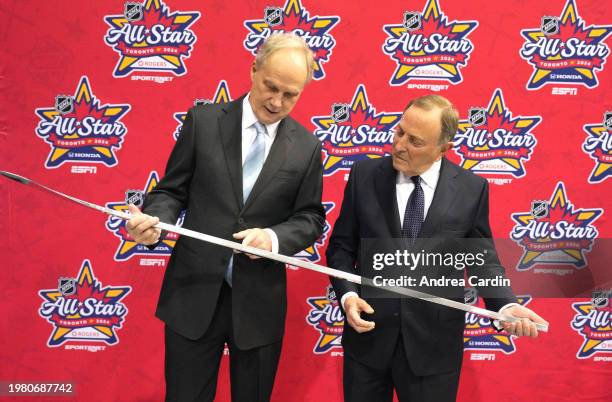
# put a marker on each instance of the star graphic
(155, 12)
(330, 332)
(222, 95)
(598, 133)
(86, 105)
(128, 247)
(570, 26)
(87, 287)
(560, 210)
(361, 113)
(590, 344)
(484, 330)
(499, 117)
(295, 17)
(433, 22)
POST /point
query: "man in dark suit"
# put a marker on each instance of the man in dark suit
(249, 171)
(410, 345)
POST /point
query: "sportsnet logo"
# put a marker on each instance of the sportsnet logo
(428, 47)
(312, 253)
(598, 145)
(80, 309)
(80, 129)
(564, 51)
(353, 132)
(492, 141)
(478, 333)
(148, 37)
(127, 246)
(293, 17)
(554, 232)
(222, 95)
(327, 318)
(593, 321)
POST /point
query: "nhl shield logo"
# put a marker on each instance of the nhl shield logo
(477, 116)
(470, 296)
(340, 112)
(412, 20)
(66, 286)
(600, 299)
(539, 209)
(135, 197)
(273, 16)
(331, 294)
(133, 11)
(549, 25)
(608, 120)
(202, 102)
(64, 104)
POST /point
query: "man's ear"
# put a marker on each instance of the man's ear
(446, 147)
(253, 69)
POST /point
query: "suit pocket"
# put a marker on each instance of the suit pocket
(286, 175)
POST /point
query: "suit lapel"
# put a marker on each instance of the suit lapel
(442, 199)
(281, 148)
(230, 130)
(385, 192)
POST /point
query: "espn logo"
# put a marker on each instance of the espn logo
(152, 262)
(482, 356)
(564, 91)
(84, 169)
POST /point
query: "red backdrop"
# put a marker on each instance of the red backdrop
(93, 95)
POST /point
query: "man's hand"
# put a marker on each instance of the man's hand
(140, 227)
(525, 327)
(353, 306)
(257, 238)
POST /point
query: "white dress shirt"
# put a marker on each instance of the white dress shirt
(248, 137)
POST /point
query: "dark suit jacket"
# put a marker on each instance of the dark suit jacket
(204, 176)
(432, 334)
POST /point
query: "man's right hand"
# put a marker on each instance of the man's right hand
(140, 227)
(353, 306)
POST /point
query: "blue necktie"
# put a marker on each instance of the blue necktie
(250, 171)
(415, 207)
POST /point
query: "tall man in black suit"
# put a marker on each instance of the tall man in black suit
(411, 345)
(249, 171)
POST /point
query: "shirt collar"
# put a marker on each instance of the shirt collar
(429, 177)
(249, 118)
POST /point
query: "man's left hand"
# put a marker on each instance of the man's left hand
(526, 326)
(257, 237)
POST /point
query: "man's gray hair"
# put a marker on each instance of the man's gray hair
(278, 41)
(449, 118)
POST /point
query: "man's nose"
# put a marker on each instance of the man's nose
(277, 101)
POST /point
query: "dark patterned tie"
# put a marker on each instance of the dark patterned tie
(413, 217)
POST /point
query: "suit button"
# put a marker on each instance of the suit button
(241, 221)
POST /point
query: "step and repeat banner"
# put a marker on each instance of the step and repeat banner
(93, 97)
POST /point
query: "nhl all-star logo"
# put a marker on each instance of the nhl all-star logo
(426, 46)
(80, 128)
(81, 309)
(312, 253)
(222, 95)
(564, 50)
(127, 246)
(326, 317)
(492, 141)
(478, 334)
(354, 132)
(561, 236)
(598, 145)
(293, 17)
(148, 37)
(593, 321)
